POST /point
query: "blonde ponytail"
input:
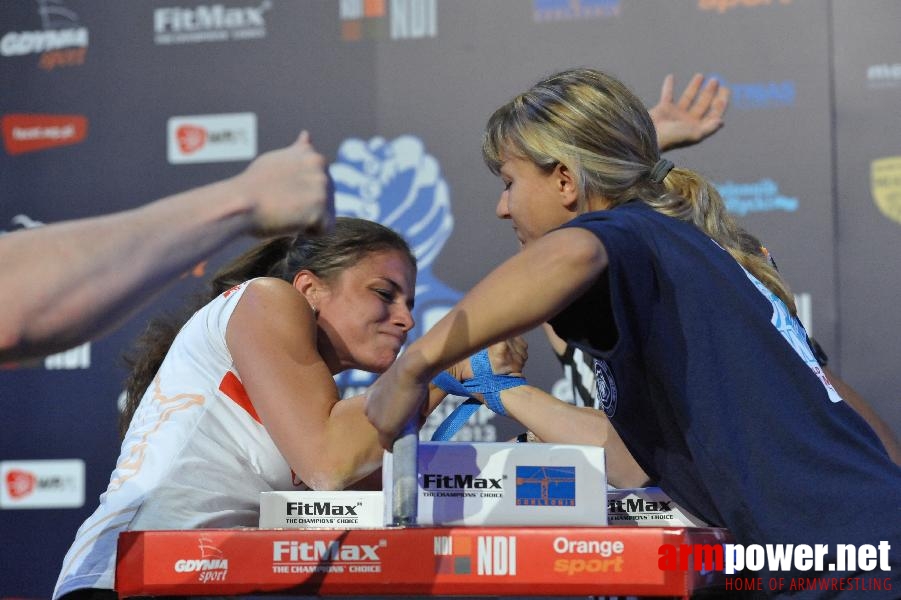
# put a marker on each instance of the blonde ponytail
(690, 197)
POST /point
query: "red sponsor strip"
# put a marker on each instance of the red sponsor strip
(32, 132)
(424, 561)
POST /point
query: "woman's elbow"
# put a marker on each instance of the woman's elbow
(327, 480)
(332, 477)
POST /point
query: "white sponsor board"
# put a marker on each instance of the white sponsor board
(332, 510)
(506, 484)
(212, 138)
(42, 483)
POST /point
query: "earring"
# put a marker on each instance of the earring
(315, 312)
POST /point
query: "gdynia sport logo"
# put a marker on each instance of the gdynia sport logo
(797, 559)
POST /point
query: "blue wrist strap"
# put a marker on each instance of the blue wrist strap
(449, 384)
(488, 384)
(485, 382)
(456, 420)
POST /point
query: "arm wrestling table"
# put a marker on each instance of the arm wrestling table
(394, 561)
(405, 559)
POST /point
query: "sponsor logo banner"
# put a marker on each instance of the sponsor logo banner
(759, 95)
(884, 76)
(755, 197)
(209, 23)
(33, 132)
(210, 567)
(212, 138)
(461, 485)
(722, 6)
(388, 19)
(885, 186)
(474, 562)
(42, 483)
(326, 556)
(484, 555)
(62, 41)
(571, 10)
(545, 486)
(813, 562)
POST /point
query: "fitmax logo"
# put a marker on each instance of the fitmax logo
(321, 509)
(458, 481)
(321, 550)
(633, 505)
(209, 23)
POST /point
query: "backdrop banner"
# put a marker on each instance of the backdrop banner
(108, 105)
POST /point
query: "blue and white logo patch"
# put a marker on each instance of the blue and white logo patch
(606, 387)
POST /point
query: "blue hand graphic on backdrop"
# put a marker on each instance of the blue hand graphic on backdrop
(398, 184)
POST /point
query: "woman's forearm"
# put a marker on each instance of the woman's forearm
(553, 420)
(519, 295)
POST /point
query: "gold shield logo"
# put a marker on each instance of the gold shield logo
(885, 185)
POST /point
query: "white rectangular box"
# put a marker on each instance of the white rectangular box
(211, 138)
(331, 510)
(42, 483)
(506, 484)
(647, 507)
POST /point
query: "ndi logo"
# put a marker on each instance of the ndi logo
(382, 19)
(545, 486)
(453, 554)
(493, 555)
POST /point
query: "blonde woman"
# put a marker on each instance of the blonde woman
(703, 369)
